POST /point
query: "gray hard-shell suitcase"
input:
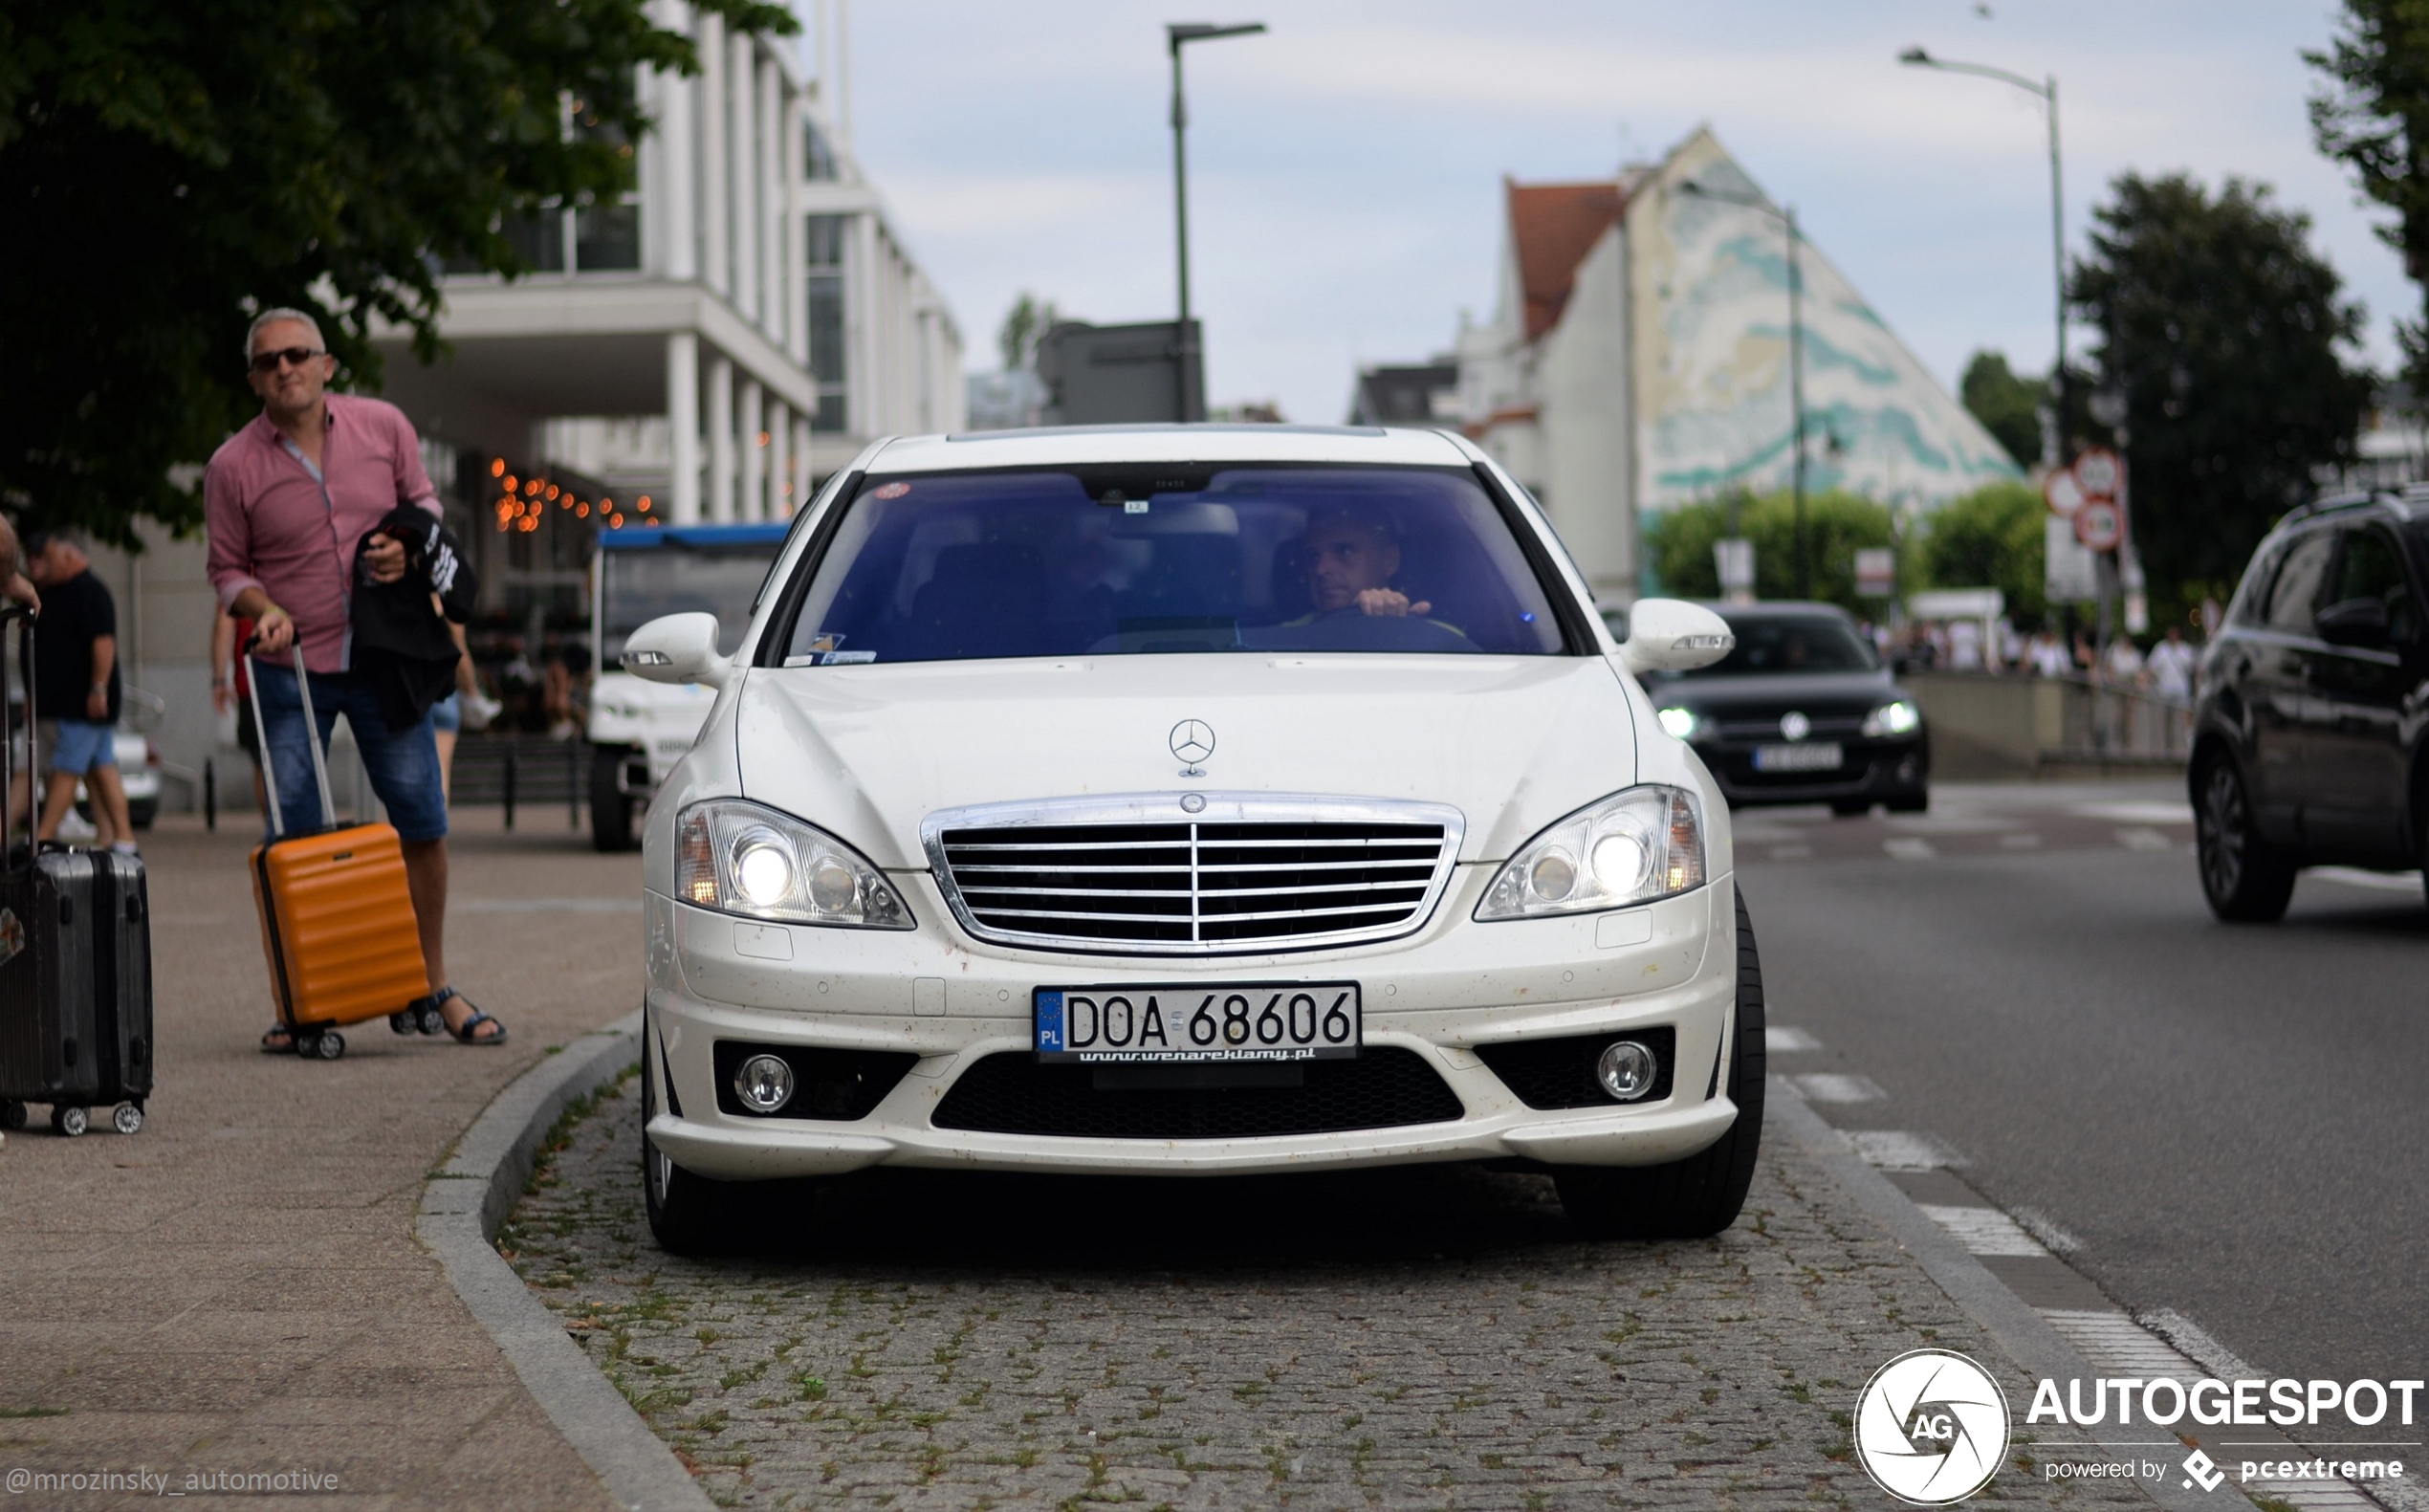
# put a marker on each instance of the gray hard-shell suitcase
(76, 971)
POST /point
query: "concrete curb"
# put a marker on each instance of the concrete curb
(462, 1206)
(2025, 1334)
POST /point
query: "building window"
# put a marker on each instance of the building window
(818, 158)
(538, 239)
(607, 239)
(822, 243)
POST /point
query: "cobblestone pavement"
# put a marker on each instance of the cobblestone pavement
(1428, 1337)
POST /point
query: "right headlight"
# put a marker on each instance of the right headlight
(1632, 847)
(743, 858)
(1897, 718)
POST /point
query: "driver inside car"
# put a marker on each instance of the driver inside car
(1352, 558)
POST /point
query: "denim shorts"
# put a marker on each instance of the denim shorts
(404, 765)
(80, 745)
(447, 715)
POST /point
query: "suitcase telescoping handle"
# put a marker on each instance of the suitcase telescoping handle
(312, 739)
(15, 610)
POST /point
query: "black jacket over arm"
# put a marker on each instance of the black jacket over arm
(402, 646)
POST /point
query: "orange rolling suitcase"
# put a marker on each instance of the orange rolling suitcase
(337, 919)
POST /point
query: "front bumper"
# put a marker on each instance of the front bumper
(1437, 994)
(1871, 769)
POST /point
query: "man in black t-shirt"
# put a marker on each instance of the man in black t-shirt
(76, 683)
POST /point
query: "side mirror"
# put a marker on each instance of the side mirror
(1671, 635)
(2356, 621)
(677, 648)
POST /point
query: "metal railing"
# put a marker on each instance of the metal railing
(2118, 722)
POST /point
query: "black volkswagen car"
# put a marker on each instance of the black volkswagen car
(2307, 745)
(1801, 712)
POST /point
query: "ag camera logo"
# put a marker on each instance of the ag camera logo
(1931, 1427)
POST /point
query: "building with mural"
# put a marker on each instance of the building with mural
(1638, 358)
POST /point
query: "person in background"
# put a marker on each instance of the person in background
(76, 685)
(18, 586)
(231, 690)
(2045, 655)
(465, 709)
(2123, 667)
(2172, 662)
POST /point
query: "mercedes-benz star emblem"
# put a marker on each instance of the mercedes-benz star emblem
(1795, 726)
(1192, 803)
(1192, 741)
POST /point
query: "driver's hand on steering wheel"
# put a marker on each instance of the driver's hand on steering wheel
(1389, 603)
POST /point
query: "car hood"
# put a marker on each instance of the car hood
(1512, 742)
(1811, 692)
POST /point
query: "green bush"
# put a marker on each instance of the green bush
(1989, 538)
(1678, 544)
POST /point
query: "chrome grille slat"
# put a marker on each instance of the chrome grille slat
(1252, 871)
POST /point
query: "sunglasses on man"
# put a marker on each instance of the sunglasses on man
(293, 355)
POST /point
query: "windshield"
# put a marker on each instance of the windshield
(1770, 645)
(636, 586)
(1140, 561)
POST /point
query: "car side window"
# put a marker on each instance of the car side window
(2369, 568)
(2293, 600)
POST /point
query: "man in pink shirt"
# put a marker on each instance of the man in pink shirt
(286, 501)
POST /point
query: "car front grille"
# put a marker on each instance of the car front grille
(1240, 874)
(1385, 1087)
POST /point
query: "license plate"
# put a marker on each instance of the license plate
(1819, 756)
(1223, 1022)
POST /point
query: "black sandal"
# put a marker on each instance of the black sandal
(467, 1033)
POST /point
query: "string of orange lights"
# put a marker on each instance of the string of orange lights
(522, 501)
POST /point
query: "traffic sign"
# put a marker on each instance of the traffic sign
(2098, 472)
(2063, 495)
(2100, 525)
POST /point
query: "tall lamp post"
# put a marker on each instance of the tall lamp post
(1176, 34)
(2047, 92)
(1795, 360)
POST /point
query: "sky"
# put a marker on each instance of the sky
(1345, 168)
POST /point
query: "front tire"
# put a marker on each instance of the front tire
(610, 805)
(1702, 1194)
(2246, 878)
(687, 1212)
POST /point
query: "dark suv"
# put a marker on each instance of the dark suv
(2307, 742)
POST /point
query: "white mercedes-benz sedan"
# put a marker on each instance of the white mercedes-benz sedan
(1184, 801)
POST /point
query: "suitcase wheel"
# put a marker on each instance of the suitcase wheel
(328, 1046)
(11, 1115)
(128, 1118)
(433, 1021)
(69, 1120)
(405, 1021)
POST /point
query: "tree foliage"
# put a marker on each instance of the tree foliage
(167, 167)
(2372, 113)
(2226, 334)
(2007, 402)
(1993, 538)
(1680, 542)
(1029, 318)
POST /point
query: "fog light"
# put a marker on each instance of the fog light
(765, 1082)
(1625, 1070)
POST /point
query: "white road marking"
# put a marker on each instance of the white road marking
(1829, 1087)
(2141, 812)
(1784, 1040)
(2117, 1345)
(2045, 1228)
(2142, 837)
(2377, 881)
(1983, 1231)
(1897, 1150)
(1910, 847)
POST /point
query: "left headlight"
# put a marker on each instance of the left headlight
(1897, 718)
(1632, 847)
(742, 858)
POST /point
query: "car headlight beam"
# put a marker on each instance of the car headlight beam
(1638, 845)
(1897, 718)
(743, 858)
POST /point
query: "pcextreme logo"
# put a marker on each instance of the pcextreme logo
(1931, 1427)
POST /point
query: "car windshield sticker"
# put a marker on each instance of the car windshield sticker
(847, 658)
(890, 491)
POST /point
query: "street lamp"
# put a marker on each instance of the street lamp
(2048, 92)
(1796, 357)
(1178, 32)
